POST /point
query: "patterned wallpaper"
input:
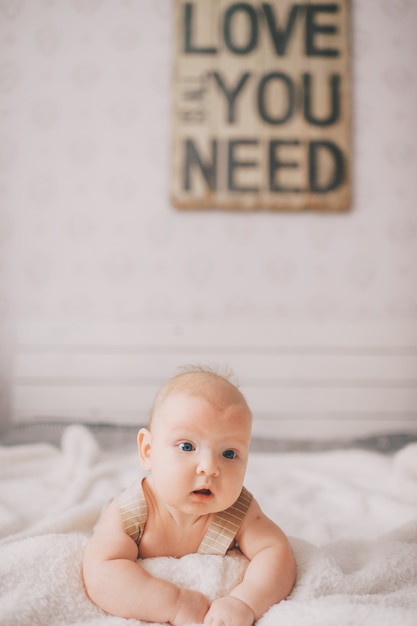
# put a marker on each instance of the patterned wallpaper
(86, 228)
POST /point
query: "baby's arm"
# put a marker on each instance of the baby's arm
(119, 585)
(269, 577)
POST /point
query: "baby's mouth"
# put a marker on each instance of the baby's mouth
(203, 492)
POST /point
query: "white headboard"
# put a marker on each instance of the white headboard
(316, 380)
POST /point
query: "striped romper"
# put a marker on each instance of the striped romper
(220, 535)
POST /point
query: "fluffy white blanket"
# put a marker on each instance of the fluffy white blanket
(351, 516)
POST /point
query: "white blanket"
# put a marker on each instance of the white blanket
(351, 516)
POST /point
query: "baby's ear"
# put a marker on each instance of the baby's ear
(144, 447)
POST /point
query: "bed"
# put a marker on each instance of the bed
(333, 462)
(350, 511)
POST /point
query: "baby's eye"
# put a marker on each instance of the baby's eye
(229, 454)
(186, 446)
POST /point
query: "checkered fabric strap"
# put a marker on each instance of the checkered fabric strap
(219, 536)
(225, 526)
(133, 511)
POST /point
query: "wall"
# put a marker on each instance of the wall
(87, 233)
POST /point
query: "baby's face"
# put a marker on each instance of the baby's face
(198, 453)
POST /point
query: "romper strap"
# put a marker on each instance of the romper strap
(133, 511)
(225, 526)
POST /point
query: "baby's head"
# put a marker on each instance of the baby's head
(204, 383)
(198, 439)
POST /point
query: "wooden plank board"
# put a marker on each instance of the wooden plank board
(261, 105)
(94, 398)
(267, 368)
(350, 377)
(334, 426)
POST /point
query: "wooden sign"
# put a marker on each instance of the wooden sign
(261, 105)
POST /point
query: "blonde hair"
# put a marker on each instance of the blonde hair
(201, 381)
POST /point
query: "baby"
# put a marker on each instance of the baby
(195, 452)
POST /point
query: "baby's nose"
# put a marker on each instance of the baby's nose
(207, 464)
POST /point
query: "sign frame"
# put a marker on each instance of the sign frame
(261, 105)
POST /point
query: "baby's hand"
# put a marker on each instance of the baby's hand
(229, 611)
(190, 608)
